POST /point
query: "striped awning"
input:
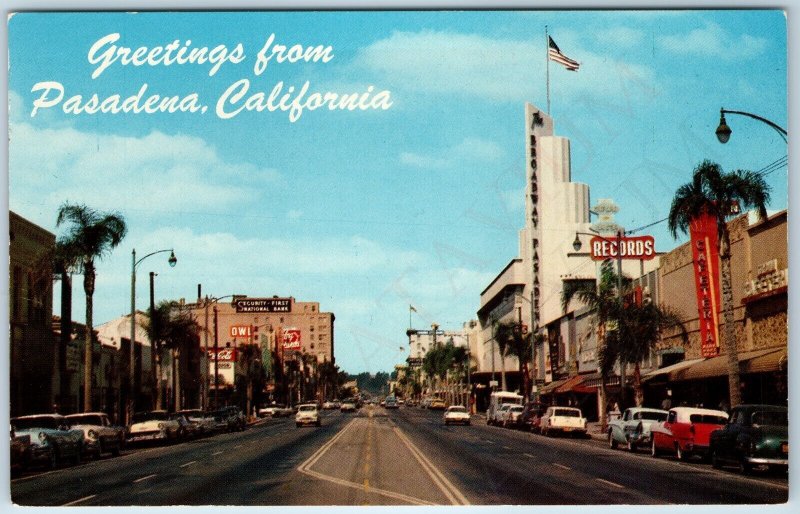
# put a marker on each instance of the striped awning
(665, 371)
(548, 388)
(718, 366)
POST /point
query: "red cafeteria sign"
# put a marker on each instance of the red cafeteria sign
(703, 233)
(637, 248)
(291, 338)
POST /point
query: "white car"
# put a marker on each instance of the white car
(154, 425)
(633, 428)
(99, 435)
(307, 414)
(511, 416)
(457, 414)
(567, 420)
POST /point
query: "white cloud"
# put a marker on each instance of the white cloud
(713, 41)
(146, 174)
(505, 70)
(624, 37)
(294, 214)
(470, 149)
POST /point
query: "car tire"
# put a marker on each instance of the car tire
(319, 423)
(631, 446)
(115, 451)
(653, 449)
(745, 467)
(680, 453)
(52, 461)
(298, 425)
(612, 443)
(76, 459)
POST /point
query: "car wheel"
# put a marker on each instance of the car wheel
(653, 449)
(52, 461)
(680, 453)
(115, 450)
(319, 423)
(612, 443)
(631, 446)
(745, 466)
(298, 425)
(76, 459)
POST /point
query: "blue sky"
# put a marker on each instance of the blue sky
(370, 211)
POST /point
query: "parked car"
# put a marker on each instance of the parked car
(205, 423)
(154, 426)
(20, 447)
(268, 410)
(307, 414)
(632, 429)
(567, 420)
(52, 439)
(437, 404)
(531, 416)
(499, 414)
(511, 417)
(391, 403)
(456, 414)
(496, 401)
(328, 405)
(189, 429)
(348, 407)
(755, 435)
(99, 435)
(686, 431)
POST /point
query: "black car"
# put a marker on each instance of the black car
(531, 415)
(755, 435)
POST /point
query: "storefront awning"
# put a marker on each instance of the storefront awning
(718, 366)
(548, 388)
(773, 361)
(576, 384)
(665, 371)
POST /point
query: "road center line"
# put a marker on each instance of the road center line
(613, 484)
(216, 453)
(188, 464)
(556, 464)
(528, 455)
(143, 478)
(506, 447)
(79, 500)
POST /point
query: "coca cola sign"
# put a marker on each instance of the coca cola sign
(223, 354)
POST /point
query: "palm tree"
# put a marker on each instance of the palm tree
(91, 235)
(253, 371)
(503, 333)
(603, 299)
(714, 192)
(520, 347)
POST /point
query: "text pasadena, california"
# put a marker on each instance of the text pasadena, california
(236, 98)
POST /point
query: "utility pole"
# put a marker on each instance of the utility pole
(216, 360)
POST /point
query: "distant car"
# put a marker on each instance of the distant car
(99, 435)
(496, 401)
(755, 435)
(532, 415)
(400, 401)
(189, 429)
(437, 404)
(456, 415)
(567, 420)
(307, 414)
(205, 424)
(512, 417)
(328, 406)
(632, 429)
(52, 439)
(391, 403)
(20, 447)
(686, 432)
(499, 414)
(154, 426)
(237, 416)
(348, 407)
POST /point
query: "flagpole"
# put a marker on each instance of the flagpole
(547, 63)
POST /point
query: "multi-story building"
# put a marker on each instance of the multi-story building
(34, 383)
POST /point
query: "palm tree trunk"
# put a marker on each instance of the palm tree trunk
(637, 386)
(603, 402)
(623, 379)
(88, 287)
(176, 378)
(730, 329)
(503, 369)
(159, 383)
(66, 337)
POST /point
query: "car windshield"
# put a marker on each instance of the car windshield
(307, 408)
(655, 416)
(37, 422)
(457, 409)
(516, 408)
(193, 413)
(775, 418)
(709, 419)
(570, 413)
(85, 419)
(141, 417)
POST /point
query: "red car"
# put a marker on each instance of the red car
(686, 432)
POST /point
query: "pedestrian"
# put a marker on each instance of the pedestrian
(666, 403)
(615, 412)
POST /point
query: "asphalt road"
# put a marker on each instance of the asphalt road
(400, 457)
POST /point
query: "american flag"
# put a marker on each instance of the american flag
(554, 54)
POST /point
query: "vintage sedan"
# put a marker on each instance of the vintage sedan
(204, 422)
(567, 420)
(307, 414)
(632, 429)
(347, 407)
(755, 435)
(512, 417)
(532, 415)
(686, 432)
(52, 439)
(437, 404)
(456, 415)
(20, 447)
(100, 436)
(154, 426)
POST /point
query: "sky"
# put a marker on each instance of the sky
(417, 201)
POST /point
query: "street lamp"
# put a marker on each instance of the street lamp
(724, 131)
(132, 382)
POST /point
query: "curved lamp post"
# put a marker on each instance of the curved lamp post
(132, 379)
(724, 131)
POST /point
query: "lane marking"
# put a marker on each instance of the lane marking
(556, 464)
(453, 494)
(216, 453)
(613, 484)
(528, 455)
(188, 464)
(75, 502)
(237, 446)
(144, 478)
(506, 447)
(488, 441)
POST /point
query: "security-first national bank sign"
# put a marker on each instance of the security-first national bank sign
(263, 305)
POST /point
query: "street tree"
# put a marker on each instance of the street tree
(90, 235)
(715, 192)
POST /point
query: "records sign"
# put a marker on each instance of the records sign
(291, 339)
(263, 305)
